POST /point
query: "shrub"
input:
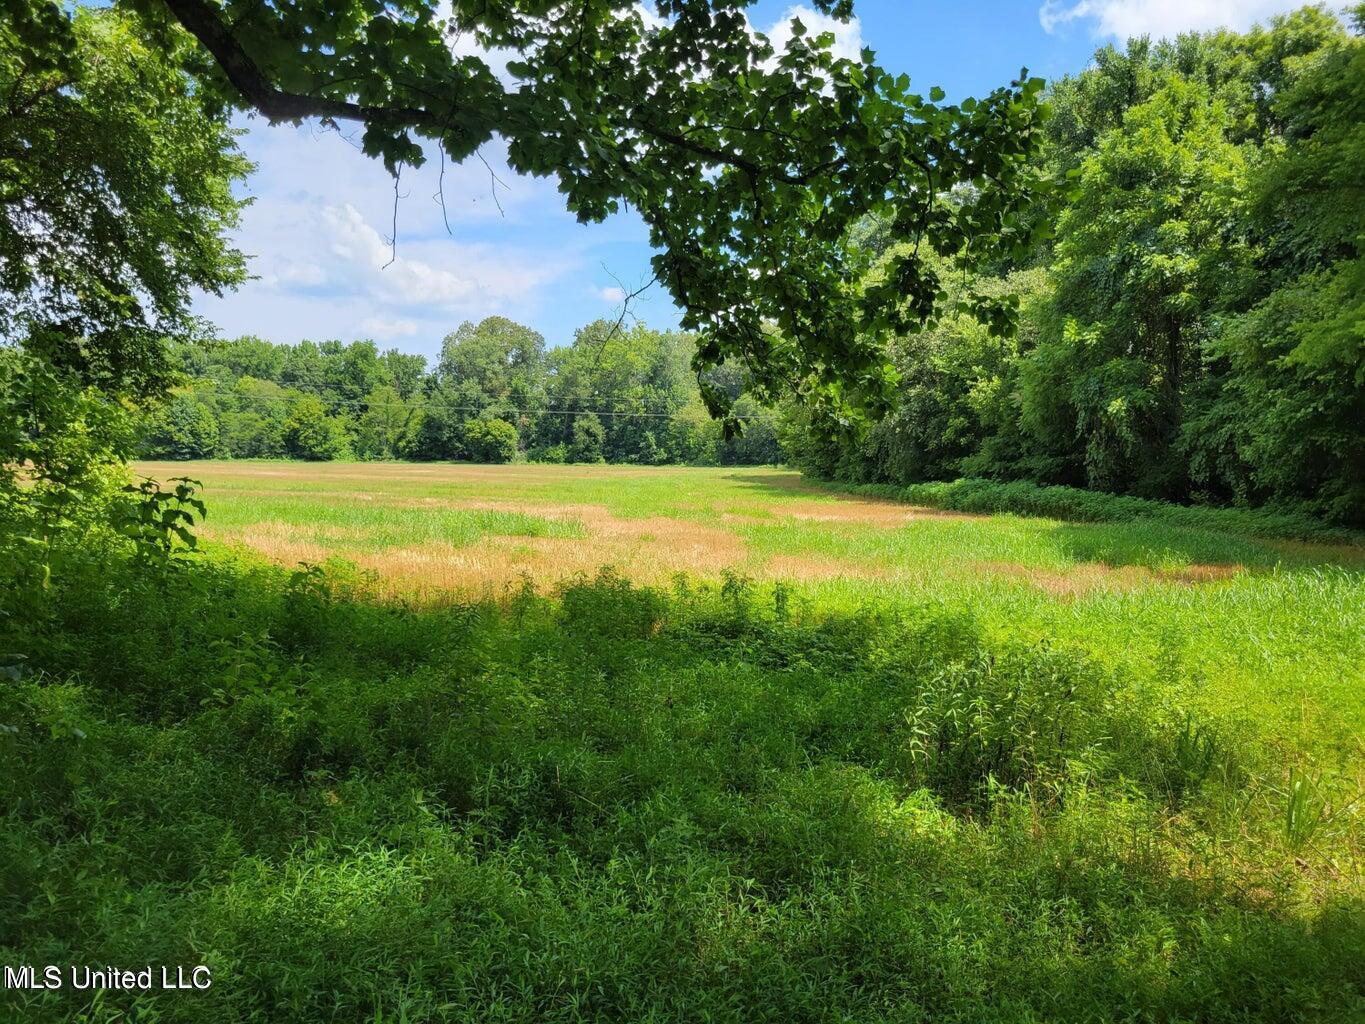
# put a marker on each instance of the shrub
(553, 454)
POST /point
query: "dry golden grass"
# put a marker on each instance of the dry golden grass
(442, 528)
(648, 550)
(821, 567)
(864, 510)
(704, 539)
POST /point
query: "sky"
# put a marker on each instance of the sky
(320, 227)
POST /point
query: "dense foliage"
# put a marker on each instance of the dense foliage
(115, 200)
(712, 803)
(115, 196)
(1075, 505)
(496, 394)
(1195, 331)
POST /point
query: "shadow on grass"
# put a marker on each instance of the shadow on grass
(781, 482)
(1146, 543)
(620, 804)
(1160, 546)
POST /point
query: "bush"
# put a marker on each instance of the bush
(552, 454)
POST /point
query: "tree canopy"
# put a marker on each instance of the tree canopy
(494, 394)
(1194, 329)
(115, 200)
(749, 166)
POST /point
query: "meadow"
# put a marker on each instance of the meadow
(1271, 630)
(574, 743)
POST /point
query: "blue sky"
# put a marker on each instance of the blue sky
(319, 227)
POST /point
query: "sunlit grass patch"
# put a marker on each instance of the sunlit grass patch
(377, 524)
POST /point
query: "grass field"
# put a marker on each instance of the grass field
(1271, 631)
(799, 757)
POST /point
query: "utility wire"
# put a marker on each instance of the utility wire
(497, 407)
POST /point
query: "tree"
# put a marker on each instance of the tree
(1289, 418)
(497, 356)
(310, 433)
(387, 425)
(253, 418)
(247, 356)
(748, 166)
(115, 196)
(1193, 329)
(186, 427)
(586, 443)
(1243, 72)
(490, 440)
(115, 200)
(406, 371)
(1144, 259)
(440, 434)
(636, 378)
(350, 372)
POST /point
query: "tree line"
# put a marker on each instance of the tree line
(495, 394)
(1194, 329)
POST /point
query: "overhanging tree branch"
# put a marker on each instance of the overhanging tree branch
(204, 21)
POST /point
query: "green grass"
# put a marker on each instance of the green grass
(1278, 646)
(937, 794)
(1076, 505)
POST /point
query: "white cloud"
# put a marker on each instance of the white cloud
(383, 329)
(1157, 18)
(848, 35)
(310, 161)
(611, 294)
(434, 274)
(400, 279)
(317, 234)
(287, 273)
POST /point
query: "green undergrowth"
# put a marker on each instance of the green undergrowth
(707, 802)
(1073, 504)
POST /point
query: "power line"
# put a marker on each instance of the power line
(499, 408)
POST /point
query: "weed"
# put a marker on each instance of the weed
(1305, 811)
(1194, 752)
